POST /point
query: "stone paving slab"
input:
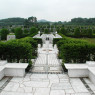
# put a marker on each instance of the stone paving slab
(40, 84)
(82, 94)
(42, 91)
(69, 91)
(36, 84)
(57, 92)
(15, 93)
(12, 86)
(3, 81)
(90, 84)
(61, 86)
(78, 86)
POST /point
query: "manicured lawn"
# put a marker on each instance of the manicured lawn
(91, 40)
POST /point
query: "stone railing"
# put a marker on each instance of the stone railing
(12, 69)
(82, 70)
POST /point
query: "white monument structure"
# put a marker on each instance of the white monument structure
(11, 36)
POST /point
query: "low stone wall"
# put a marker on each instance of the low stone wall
(1, 72)
(14, 72)
(92, 74)
(82, 70)
(78, 73)
(13, 69)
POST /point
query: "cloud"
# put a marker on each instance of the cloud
(54, 10)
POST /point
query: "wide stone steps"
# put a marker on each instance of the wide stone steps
(47, 69)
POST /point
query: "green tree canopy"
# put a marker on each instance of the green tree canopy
(18, 33)
(4, 33)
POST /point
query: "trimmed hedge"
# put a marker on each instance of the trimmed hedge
(38, 40)
(75, 50)
(55, 40)
(77, 53)
(18, 50)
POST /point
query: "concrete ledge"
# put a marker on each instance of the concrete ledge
(77, 70)
(16, 65)
(13, 69)
(3, 62)
(82, 70)
(92, 74)
(78, 73)
(14, 72)
(1, 72)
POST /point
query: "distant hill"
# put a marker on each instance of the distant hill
(43, 20)
(12, 21)
(81, 21)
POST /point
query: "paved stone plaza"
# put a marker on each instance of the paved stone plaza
(43, 84)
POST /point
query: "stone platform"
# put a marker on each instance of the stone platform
(43, 84)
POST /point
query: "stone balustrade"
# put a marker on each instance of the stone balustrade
(12, 69)
(82, 70)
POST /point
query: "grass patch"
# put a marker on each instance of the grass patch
(91, 40)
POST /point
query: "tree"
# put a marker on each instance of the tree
(25, 32)
(46, 31)
(89, 32)
(33, 30)
(77, 33)
(63, 31)
(4, 33)
(18, 33)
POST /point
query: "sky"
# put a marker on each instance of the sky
(51, 10)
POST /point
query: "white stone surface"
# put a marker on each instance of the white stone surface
(12, 69)
(90, 63)
(14, 93)
(15, 69)
(47, 56)
(42, 91)
(76, 66)
(1, 72)
(14, 72)
(10, 37)
(41, 84)
(2, 82)
(3, 62)
(57, 92)
(92, 74)
(78, 72)
(82, 70)
(78, 85)
(16, 65)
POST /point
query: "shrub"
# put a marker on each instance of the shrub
(75, 51)
(38, 40)
(18, 50)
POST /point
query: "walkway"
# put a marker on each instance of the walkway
(43, 84)
(47, 60)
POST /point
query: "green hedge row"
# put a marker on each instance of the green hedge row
(39, 40)
(75, 51)
(18, 50)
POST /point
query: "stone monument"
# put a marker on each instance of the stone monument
(11, 36)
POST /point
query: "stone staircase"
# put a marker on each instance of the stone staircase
(47, 62)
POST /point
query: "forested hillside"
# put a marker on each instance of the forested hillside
(12, 21)
(81, 21)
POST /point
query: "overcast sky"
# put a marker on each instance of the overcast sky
(52, 10)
